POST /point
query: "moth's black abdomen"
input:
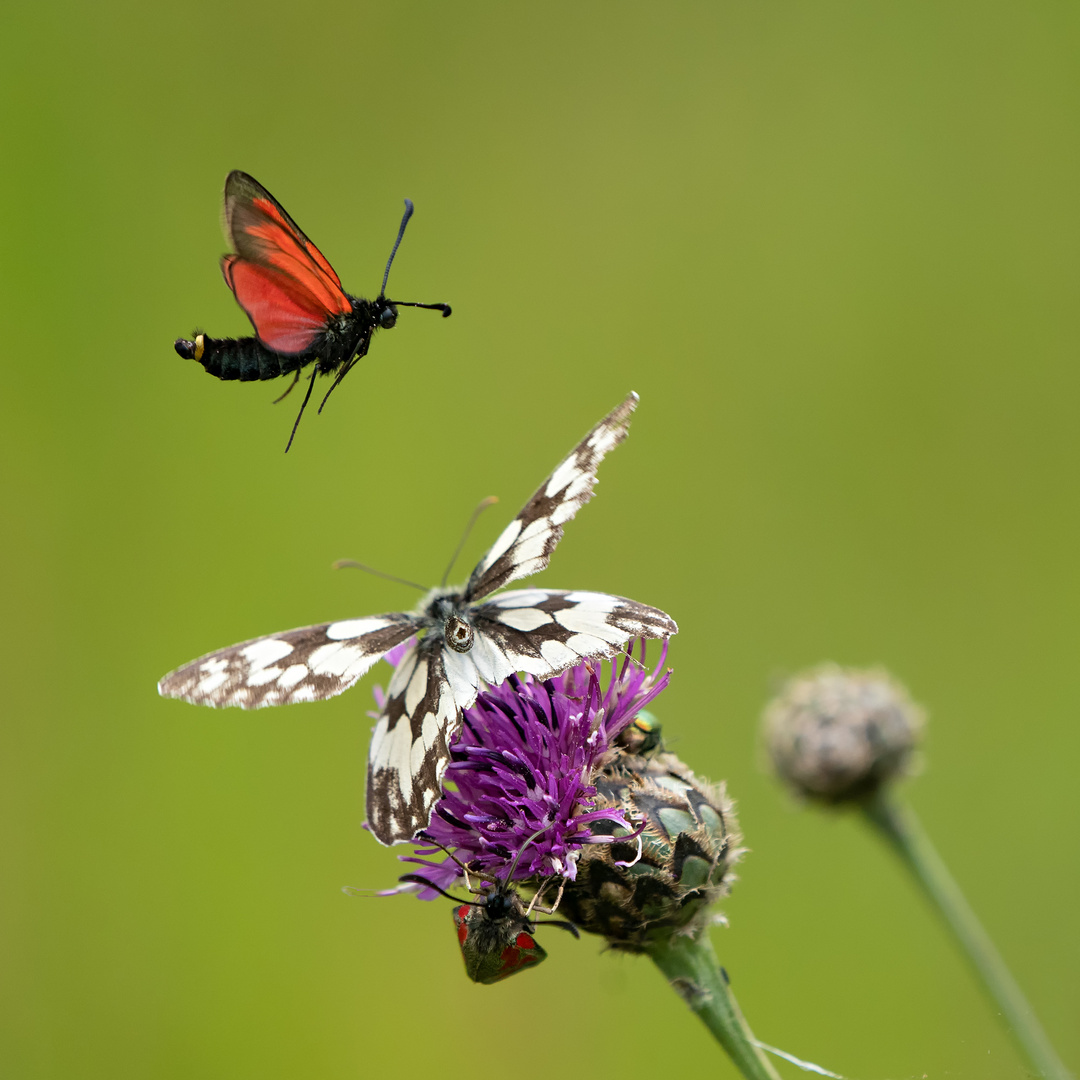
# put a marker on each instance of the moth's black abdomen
(246, 359)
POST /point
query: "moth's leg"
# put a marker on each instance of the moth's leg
(296, 379)
(307, 396)
(534, 905)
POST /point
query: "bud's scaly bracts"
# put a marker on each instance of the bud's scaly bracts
(839, 736)
(662, 881)
(836, 734)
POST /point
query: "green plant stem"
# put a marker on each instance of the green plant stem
(902, 830)
(691, 967)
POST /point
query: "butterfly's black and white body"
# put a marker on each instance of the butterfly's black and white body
(463, 642)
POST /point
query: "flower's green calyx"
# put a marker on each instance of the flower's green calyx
(661, 882)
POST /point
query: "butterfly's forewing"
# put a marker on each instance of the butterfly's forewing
(545, 631)
(308, 664)
(410, 744)
(279, 277)
(526, 544)
(537, 631)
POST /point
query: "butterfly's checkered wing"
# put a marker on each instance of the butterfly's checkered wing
(308, 664)
(538, 631)
(526, 544)
(410, 745)
(545, 631)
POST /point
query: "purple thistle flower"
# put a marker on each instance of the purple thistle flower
(518, 792)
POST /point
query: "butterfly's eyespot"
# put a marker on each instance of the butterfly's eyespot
(459, 634)
(387, 317)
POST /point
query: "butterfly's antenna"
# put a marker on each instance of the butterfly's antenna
(397, 243)
(491, 500)
(307, 397)
(352, 564)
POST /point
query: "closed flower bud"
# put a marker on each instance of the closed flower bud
(837, 734)
(661, 878)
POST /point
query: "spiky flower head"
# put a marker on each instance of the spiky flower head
(837, 734)
(645, 888)
(519, 801)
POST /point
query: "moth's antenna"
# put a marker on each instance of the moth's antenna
(427, 838)
(352, 564)
(444, 308)
(491, 500)
(562, 924)
(521, 851)
(397, 243)
(417, 879)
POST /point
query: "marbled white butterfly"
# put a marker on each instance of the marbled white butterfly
(461, 644)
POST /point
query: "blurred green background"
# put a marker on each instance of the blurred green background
(834, 247)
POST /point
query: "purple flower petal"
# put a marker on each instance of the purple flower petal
(517, 798)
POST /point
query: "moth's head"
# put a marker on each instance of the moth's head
(385, 314)
(500, 903)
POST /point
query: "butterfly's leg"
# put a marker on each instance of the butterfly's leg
(296, 379)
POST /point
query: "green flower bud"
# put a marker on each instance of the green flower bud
(837, 734)
(670, 874)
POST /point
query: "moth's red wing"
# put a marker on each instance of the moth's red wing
(285, 317)
(279, 277)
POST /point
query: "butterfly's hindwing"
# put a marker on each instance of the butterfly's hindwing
(537, 631)
(308, 664)
(526, 544)
(410, 743)
(544, 631)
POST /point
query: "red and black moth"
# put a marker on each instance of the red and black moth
(293, 298)
(495, 929)
(495, 936)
